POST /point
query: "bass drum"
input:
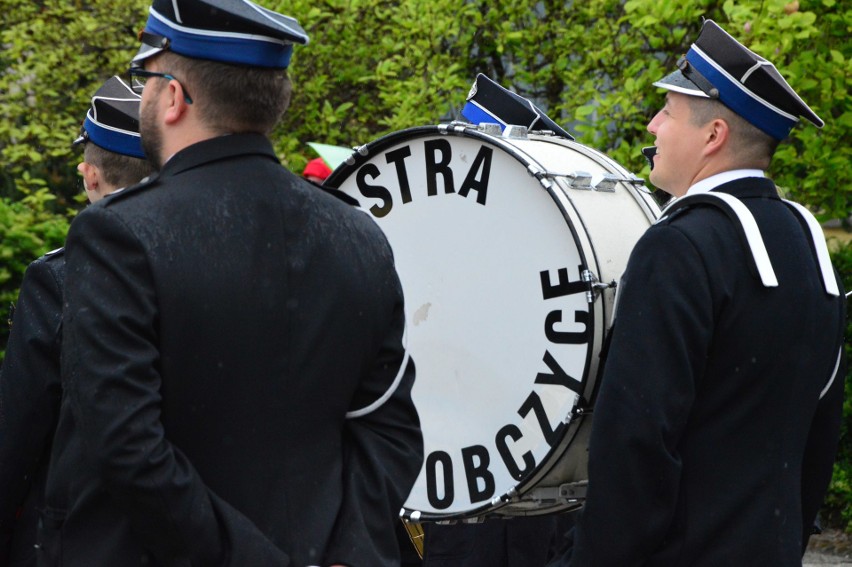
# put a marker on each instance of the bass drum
(508, 246)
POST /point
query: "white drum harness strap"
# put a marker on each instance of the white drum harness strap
(759, 259)
(750, 233)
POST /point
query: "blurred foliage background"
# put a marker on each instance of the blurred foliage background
(378, 66)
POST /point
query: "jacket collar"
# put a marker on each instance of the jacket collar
(215, 149)
(749, 187)
(207, 151)
(740, 183)
(713, 181)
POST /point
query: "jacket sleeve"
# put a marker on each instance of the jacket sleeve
(29, 393)
(110, 369)
(383, 452)
(821, 448)
(662, 325)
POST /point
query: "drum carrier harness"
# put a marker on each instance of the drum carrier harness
(750, 235)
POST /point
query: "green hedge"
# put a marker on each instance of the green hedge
(378, 66)
(28, 229)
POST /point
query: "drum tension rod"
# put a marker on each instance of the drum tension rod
(595, 287)
(576, 180)
(583, 180)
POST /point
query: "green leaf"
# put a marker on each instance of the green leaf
(583, 111)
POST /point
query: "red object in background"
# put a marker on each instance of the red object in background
(316, 170)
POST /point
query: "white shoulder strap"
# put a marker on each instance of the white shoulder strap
(820, 247)
(732, 205)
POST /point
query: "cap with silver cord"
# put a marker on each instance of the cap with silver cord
(718, 66)
(229, 31)
(112, 121)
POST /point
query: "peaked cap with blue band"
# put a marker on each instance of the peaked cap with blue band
(718, 66)
(112, 121)
(229, 31)
(488, 102)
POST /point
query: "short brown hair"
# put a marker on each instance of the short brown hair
(232, 98)
(752, 146)
(118, 170)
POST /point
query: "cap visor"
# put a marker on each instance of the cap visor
(145, 51)
(678, 83)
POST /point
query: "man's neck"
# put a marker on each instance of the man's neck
(180, 140)
(710, 183)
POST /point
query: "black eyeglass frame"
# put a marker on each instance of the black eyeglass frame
(140, 72)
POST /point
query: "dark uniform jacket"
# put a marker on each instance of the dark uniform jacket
(235, 385)
(29, 406)
(711, 445)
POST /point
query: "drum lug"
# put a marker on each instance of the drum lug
(581, 180)
(515, 131)
(568, 493)
(607, 183)
(573, 491)
(362, 151)
(490, 128)
(595, 287)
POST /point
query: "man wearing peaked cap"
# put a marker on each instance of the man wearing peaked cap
(238, 386)
(30, 378)
(112, 154)
(718, 67)
(112, 122)
(719, 409)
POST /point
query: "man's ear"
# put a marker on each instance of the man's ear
(177, 103)
(91, 176)
(717, 133)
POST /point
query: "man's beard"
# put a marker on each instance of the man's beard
(152, 136)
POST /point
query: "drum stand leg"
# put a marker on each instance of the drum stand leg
(416, 535)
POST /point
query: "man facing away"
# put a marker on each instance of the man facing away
(30, 379)
(237, 385)
(718, 416)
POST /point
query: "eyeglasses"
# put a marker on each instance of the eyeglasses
(139, 77)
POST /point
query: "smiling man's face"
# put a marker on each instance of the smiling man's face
(679, 144)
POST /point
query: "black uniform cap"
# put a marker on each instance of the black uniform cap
(112, 121)
(229, 31)
(488, 102)
(718, 66)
